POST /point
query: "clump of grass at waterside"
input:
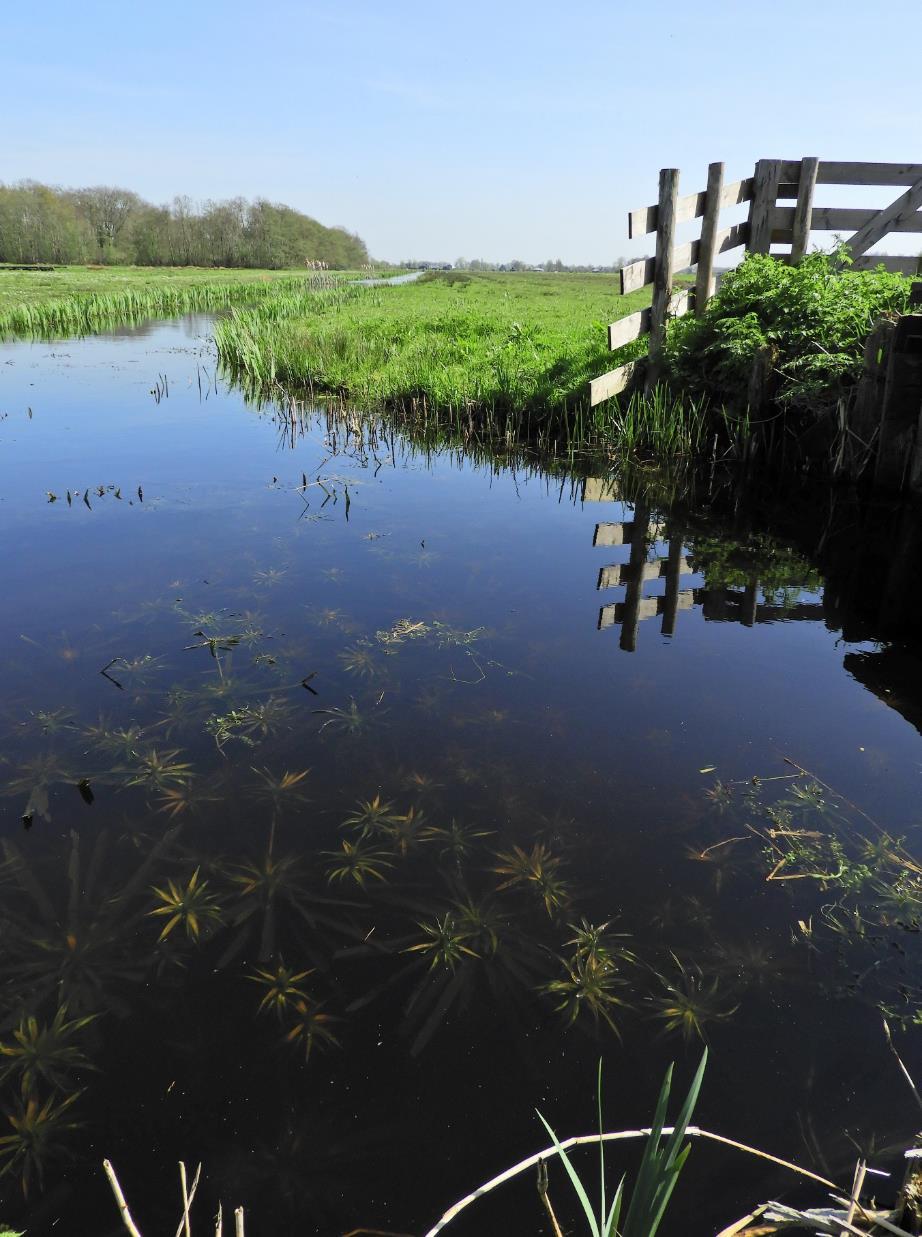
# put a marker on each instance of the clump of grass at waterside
(456, 343)
(667, 425)
(80, 301)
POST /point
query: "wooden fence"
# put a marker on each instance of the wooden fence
(774, 181)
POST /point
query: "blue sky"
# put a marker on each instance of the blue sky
(435, 130)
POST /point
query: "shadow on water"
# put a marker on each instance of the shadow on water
(339, 832)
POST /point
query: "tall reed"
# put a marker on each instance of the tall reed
(88, 313)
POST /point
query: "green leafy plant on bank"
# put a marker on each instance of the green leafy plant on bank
(809, 323)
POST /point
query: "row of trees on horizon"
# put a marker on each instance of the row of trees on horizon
(106, 224)
(516, 264)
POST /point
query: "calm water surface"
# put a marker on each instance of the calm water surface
(357, 799)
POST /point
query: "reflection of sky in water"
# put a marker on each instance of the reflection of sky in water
(531, 722)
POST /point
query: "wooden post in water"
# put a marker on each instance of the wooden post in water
(764, 197)
(865, 415)
(704, 282)
(673, 578)
(902, 399)
(803, 211)
(750, 598)
(662, 275)
(634, 590)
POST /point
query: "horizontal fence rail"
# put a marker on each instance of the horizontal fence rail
(773, 181)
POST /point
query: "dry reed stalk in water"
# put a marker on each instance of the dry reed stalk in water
(692, 1131)
(545, 1198)
(120, 1199)
(861, 1169)
(899, 1061)
(188, 1197)
(185, 1222)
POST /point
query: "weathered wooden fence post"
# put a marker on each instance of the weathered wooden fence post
(865, 414)
(764, 197)
(662, 276)
(704, 282)
(901, 403)
(803, 211)
(749, 608)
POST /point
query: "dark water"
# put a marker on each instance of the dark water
(323, 756)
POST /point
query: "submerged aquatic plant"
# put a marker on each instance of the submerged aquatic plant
(719, 856)
(594, 988)
(157, 770)
(349, 722)
(281, 790)
(50, 721)
(270, 576)
(310, 1027)
(282, 988)
(720, 795)
(137, 670)
(189, 797)
(595, 945)
(358, 862)
(45, 1051)
(189, 906)
(421, 784)
(37, 1127)
(360, 660)
(484, 923)
(455, 841)
(535, 870)
(249, 724)
(690, 1003)
(370, 816)
(404, 831)
(78, 945)
(443, 942)
(43, 769)
(270, 901)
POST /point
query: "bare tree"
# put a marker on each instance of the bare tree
(106, 208)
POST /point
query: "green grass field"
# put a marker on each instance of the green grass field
(81, 299)
(43, 287)
(484, 347)
(478, 343)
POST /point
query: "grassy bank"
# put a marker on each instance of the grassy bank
(81, 299)
(477, 343)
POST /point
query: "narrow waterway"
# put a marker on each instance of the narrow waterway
(357, 798)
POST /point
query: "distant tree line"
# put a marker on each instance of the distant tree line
(516, 264)
(105, 224)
